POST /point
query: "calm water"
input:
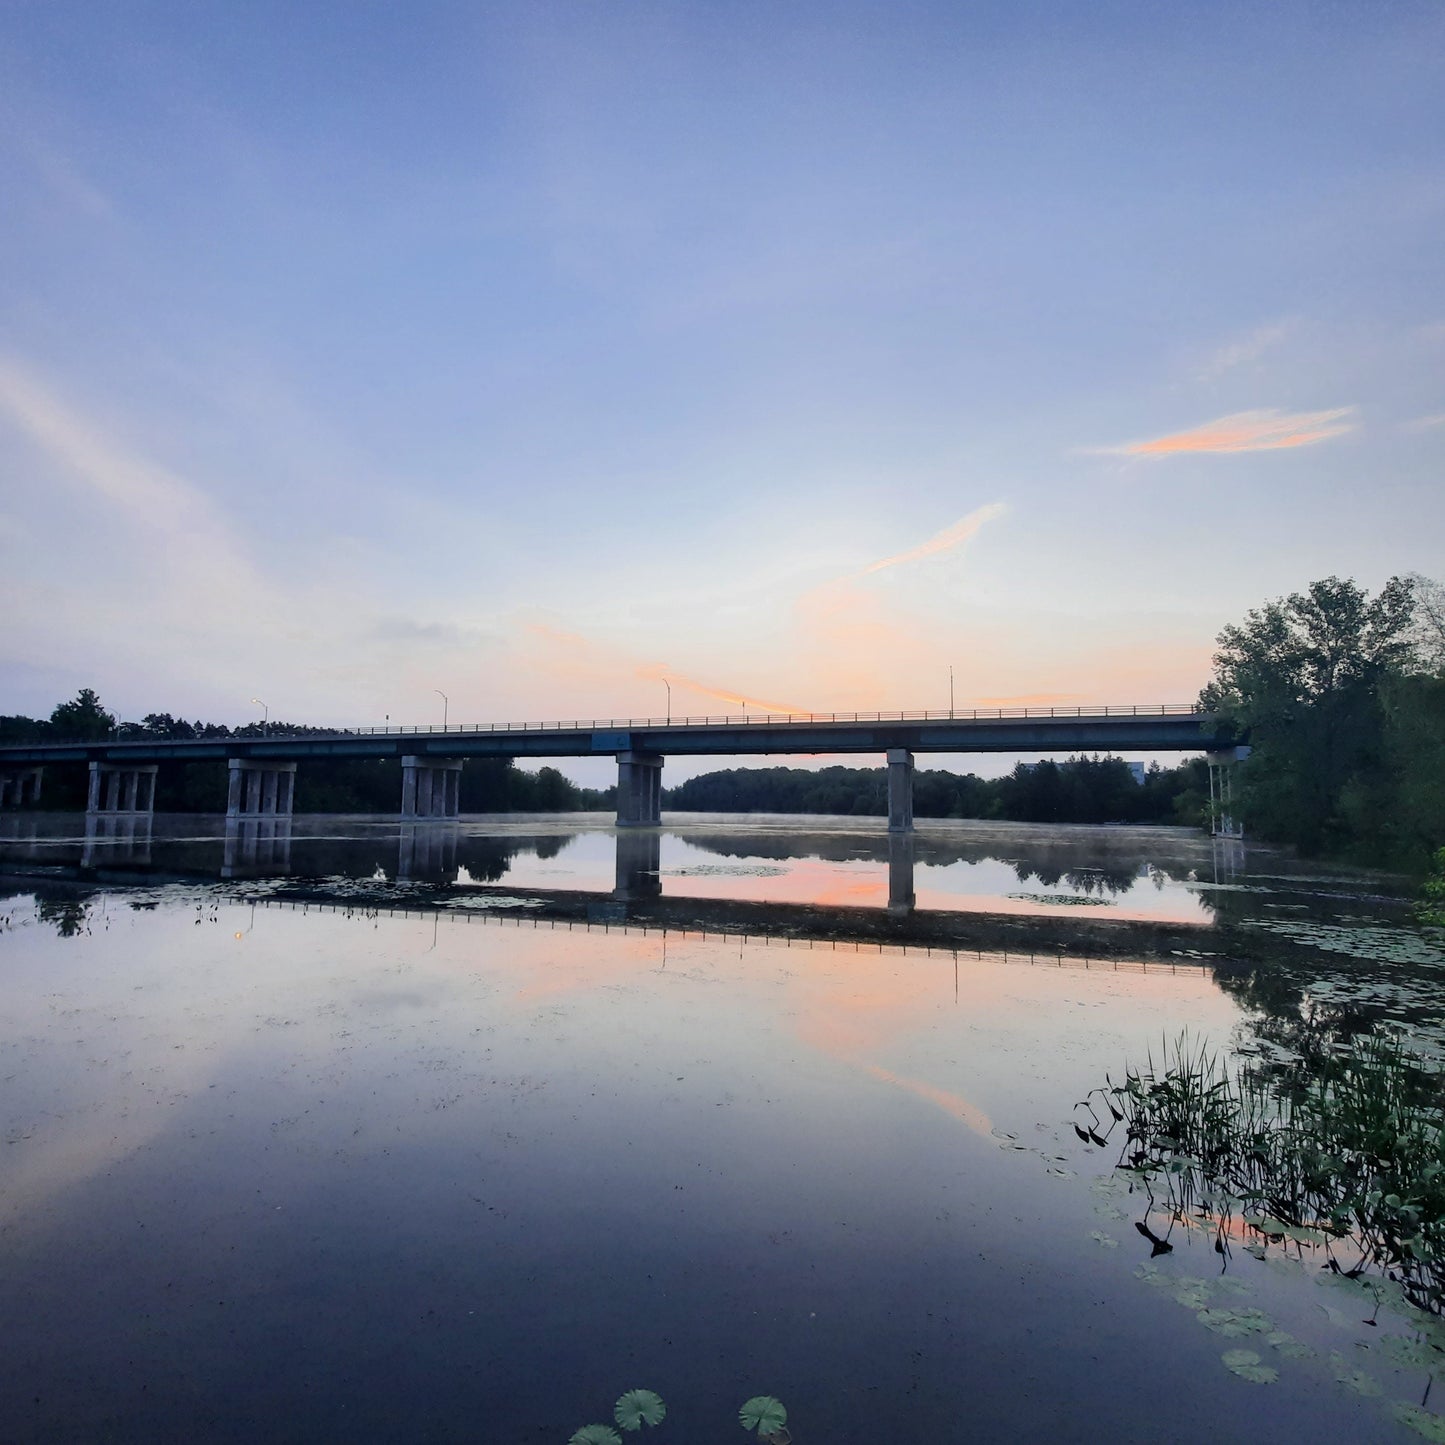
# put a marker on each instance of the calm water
(468, 1168)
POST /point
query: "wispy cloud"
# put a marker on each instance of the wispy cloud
(658, 672)
(944, 541)
(1244, 350)
(1245, 431)
(1426, 423)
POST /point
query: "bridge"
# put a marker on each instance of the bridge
(262, 768)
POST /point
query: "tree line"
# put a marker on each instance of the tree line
(1341, 697)
(1078, 790)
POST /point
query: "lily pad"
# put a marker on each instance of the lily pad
(764, 1414)
(1246, 1364)
(1286, 1344)
(1100, 1238)
(1352, 1379)
(596, 1435)
(638, 1408)
(1235, 1324)
(1422, 1422)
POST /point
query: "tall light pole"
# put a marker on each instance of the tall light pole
(265, 716)
(950, 689)
(668, 686)
(445, 705)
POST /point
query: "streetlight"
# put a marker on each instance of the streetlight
(950, 689)
(445, 705)
(668, 686)
(265, 715)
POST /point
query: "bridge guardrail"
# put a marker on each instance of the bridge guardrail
(1167, 709)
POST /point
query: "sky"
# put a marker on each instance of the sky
(792, 355)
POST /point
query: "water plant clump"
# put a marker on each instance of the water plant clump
(1343, 1153)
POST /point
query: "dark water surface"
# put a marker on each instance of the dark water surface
(278, 1170)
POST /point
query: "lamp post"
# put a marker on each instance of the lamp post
(950, 690)
(668, 686)
(265, 716)
(445, 705)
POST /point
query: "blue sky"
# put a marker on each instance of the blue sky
(539, 352)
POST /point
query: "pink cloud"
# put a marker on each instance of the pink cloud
(1246, 431)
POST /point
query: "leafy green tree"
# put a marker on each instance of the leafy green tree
(82, 718)
(1302, 676)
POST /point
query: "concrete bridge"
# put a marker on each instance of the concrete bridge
(262, 769)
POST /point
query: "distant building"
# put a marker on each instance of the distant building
(1139, 771)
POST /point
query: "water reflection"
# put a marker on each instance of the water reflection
(117, 840)
(1075, 875)
(256, 847)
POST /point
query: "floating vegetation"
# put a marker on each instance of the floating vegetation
(1063, 900)
(1344, 1156)
(724, 870)
(764, 1414)
(596, 1435)
(1246, 1364)
(638, 1408)
(1370, 943)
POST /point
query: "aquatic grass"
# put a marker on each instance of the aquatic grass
(1343, 1152)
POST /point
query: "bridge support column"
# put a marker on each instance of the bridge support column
(1222, 822)
(260, 788)
(121, 788)
(900, 790)
(16, 782)
(430, 788)
(639, 790)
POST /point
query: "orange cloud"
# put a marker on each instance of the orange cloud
(942, 541)
(1246, 431)
(656, 672)
(1031, 699)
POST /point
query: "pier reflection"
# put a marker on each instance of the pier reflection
(117, 840)
(256, 847)
(427, 853)
(639, 865)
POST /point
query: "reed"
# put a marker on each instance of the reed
(1344, 1153)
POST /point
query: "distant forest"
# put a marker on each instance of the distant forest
(1080, 790)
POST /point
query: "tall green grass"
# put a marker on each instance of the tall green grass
(1345, 1153)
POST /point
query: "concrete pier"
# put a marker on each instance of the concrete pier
(122, 788)
(1222, 822)
(430, 788)
(259, 788)
(639, 790)
(15, 783)
(900, 790)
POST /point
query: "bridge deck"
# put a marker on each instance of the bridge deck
(1169, 727)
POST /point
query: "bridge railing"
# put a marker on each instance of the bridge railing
(629, 724)
(775, 719)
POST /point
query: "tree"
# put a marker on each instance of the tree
(1427, 629)
(1303, 676)
(83, 718)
